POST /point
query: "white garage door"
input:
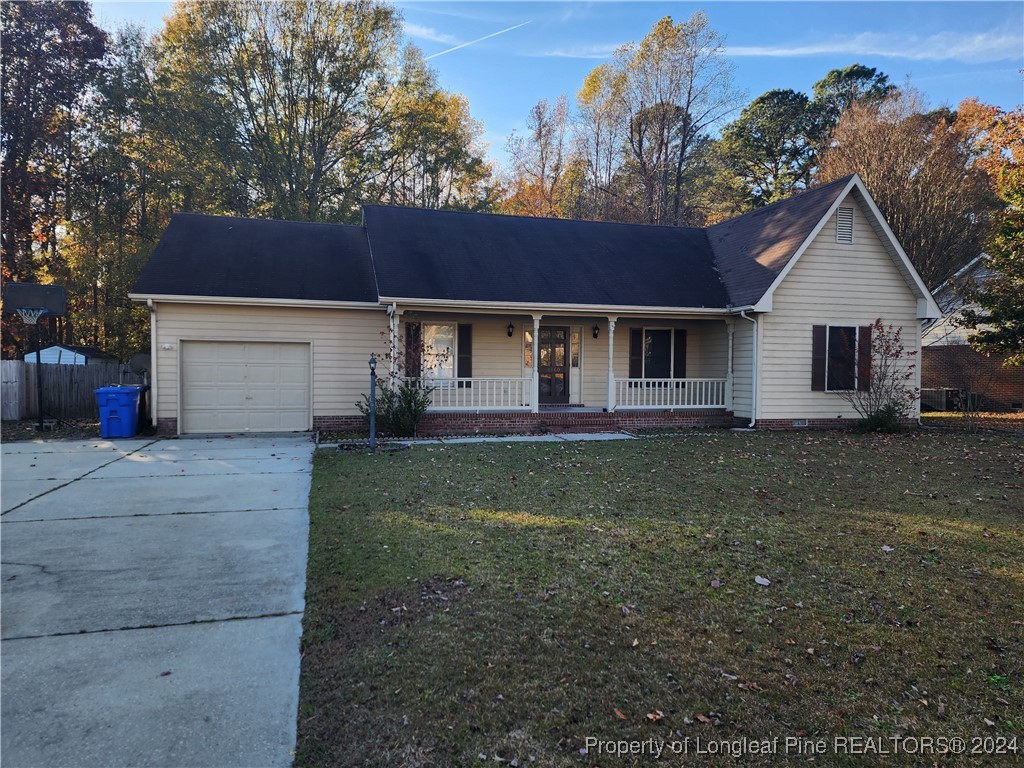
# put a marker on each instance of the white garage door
(233, 386)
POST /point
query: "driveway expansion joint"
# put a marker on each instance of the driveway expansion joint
(80, 477)
(194, 622)
(153, 514)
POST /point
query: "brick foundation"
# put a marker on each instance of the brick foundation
(518, 422)
(789, 425)
(166, 427)
(566, 421)
(961, 367)
(340, 424)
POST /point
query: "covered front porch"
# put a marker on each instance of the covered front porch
(579, 365)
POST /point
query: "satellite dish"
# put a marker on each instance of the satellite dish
(141, 364)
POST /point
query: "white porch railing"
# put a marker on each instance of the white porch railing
(670, 393)
(477, 394)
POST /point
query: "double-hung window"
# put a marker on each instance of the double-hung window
(840, 358)
(657, 353)
(438, 351)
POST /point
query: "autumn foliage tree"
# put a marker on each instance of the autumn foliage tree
(52, 56)
(540, 181)
(299, 110)
(998, 322)
(636, 147)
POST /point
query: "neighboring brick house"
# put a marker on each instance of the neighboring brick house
(528, 323)
(949, 363)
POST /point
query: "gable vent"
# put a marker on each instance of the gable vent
(844, 225)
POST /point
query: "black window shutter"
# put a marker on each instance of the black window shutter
(679, 354)
(413, 350)
(818, 358)
(636, 353)
(864, 359)
(464, 360)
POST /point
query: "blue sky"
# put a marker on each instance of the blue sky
(504, 56)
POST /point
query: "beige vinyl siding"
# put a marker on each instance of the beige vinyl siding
(742, 350)
(831, 284)
(342, 341)
(595, 362)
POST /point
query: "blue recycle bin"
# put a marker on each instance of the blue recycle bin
(119, 410)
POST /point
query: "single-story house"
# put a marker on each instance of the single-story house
(951, 368)
(522, 323)
(71, 354)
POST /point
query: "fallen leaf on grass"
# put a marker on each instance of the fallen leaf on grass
(762, 581)
(620, 715)
(886, 548)
(655, 716)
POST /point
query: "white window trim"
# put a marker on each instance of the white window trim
(856, 355)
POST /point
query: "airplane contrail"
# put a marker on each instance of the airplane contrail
(474, 42)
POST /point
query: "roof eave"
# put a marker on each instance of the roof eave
(529, 308)
(248, 300)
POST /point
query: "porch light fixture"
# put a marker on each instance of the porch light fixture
(597, 331)
(511, 329)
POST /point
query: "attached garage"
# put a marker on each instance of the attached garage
(245, 386)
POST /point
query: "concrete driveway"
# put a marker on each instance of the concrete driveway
(152, 595)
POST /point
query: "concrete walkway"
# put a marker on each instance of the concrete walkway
(152, 601)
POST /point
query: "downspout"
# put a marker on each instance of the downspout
(753, 369)
(152, 363)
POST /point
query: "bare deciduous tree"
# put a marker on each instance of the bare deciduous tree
(540, 162)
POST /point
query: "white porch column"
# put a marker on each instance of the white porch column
(611, 364)
(535, 387)
(730, 326)
(395, 348)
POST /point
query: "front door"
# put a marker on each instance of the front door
(553, 367)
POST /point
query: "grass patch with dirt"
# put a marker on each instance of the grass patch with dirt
(506, 601)
(27, 430)
(990, 420)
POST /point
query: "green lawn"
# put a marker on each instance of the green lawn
(507, 601)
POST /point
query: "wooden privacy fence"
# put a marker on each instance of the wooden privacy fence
(67, 389)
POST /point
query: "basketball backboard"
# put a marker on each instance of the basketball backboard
(52, 298)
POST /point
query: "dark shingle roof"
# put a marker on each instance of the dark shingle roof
(449, 256)
(87, 351)
(472, 257)
(257, 258)
(751, 250)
